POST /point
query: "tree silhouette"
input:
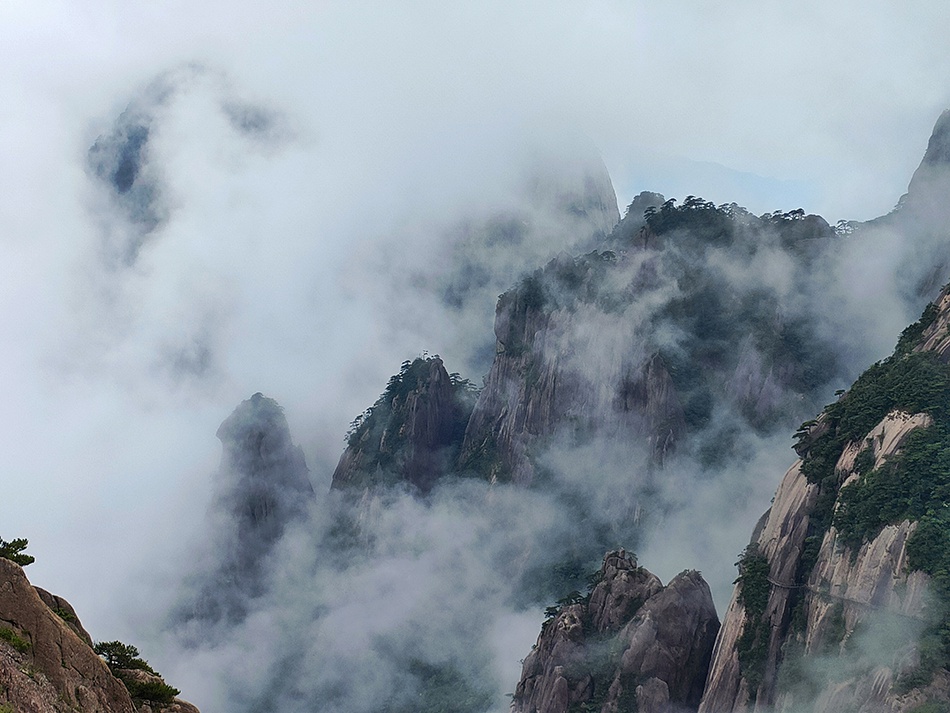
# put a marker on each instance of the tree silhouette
(13, 549)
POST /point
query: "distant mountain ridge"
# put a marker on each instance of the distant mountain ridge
(685, 333)
(530, 395)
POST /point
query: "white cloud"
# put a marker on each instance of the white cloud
(388, 117)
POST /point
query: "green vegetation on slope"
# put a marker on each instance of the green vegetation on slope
(121, 656)
(15, 640)
(718, 317)
(914, 484)
(381, 414)
(13, 551)
(910, 486)
(122, 660)
(908, 381)
(753, 593)
(378, 432)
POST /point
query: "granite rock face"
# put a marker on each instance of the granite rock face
(413, 432)
(264, 477)
(65, 612)
(845, 588)
(262, 487)
(781, 540)
(47, 663)
(842, 617)
(65, 666)
(668, 647)
(920, 219)
(931, 182)
(630, 639)
(553, 377)
(257, 443)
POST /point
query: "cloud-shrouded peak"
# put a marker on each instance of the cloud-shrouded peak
(263, 487)
(938, 148)
(258, 446)
(930, 184)
(412, 433)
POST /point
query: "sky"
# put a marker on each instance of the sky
(271, 266)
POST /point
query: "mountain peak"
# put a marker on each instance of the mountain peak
(263, 473)
(412, 432)
(938, 148)
(263, 486)
(931, 181)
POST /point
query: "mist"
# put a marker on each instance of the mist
(307, 209)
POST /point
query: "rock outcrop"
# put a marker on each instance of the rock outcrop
(262, 487)
(920, 219)
(930, 183)
(845, 589)
(412, 433)
(781, 541)
(644, 340)
(842, 603)
(264, 477)
(630, 639)
(936, 337)
(553, 376)
(47, 663)
(65, 611)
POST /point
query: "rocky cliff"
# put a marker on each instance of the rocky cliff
(920, 220)
(264, 478)
(262, 486)
(631, 643)
(551, 375)
(546, 380)
(652, 337)
(46, 658)
(834, 605)
(412, 433)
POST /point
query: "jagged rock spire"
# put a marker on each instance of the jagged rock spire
(262, 487)
(412, 433)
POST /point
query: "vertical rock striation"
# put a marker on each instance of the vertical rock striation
(843, 603)
(412, 433)
(47, 663)
(263, 486)
(630, 640)
(554, 374)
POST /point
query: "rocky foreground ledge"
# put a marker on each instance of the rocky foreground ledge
(47, 662)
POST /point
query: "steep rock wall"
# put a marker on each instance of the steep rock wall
(653, 337)
(412, 434)
(835, 549)
(55, 670)
(553, 376)
(47, 663)
(843, 585)
(631, 640)
(936, 337)
(262, 487)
